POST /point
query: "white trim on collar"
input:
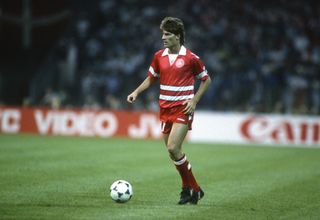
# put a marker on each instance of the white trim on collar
(183, 51)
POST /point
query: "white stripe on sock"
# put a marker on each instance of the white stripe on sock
(180, 162)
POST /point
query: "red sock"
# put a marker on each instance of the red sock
(184, 168)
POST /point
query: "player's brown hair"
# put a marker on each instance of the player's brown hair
(173, 25)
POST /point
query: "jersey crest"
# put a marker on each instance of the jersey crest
(179, 63)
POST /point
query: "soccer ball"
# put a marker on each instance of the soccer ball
(121, 191)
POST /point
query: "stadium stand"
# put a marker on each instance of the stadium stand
(263, 56)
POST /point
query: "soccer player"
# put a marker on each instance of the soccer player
(177, 67)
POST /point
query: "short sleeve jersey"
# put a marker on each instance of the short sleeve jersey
(177, 78)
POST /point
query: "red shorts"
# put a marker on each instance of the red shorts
(175, 114)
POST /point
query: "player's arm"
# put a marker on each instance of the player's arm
(143, 86)
(192, 103)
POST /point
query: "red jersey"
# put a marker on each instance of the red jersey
(176, 78)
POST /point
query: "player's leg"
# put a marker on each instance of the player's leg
(175, 139)
(174, 146)
(166, 129)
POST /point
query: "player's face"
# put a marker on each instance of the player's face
(170, 40)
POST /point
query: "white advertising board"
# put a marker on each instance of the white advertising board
(259, 129)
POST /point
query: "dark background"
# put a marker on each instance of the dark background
(262, 56)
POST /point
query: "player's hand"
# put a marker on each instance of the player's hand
(132, 97)
(190, 106)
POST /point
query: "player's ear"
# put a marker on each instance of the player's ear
(178, 36)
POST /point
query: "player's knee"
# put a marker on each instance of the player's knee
(173, 150)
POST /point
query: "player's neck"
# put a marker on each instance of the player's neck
(175, 49)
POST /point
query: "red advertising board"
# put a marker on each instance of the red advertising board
(79, 122)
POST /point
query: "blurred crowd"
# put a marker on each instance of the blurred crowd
(263, 56)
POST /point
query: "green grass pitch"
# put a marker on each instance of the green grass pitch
(45, 177)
